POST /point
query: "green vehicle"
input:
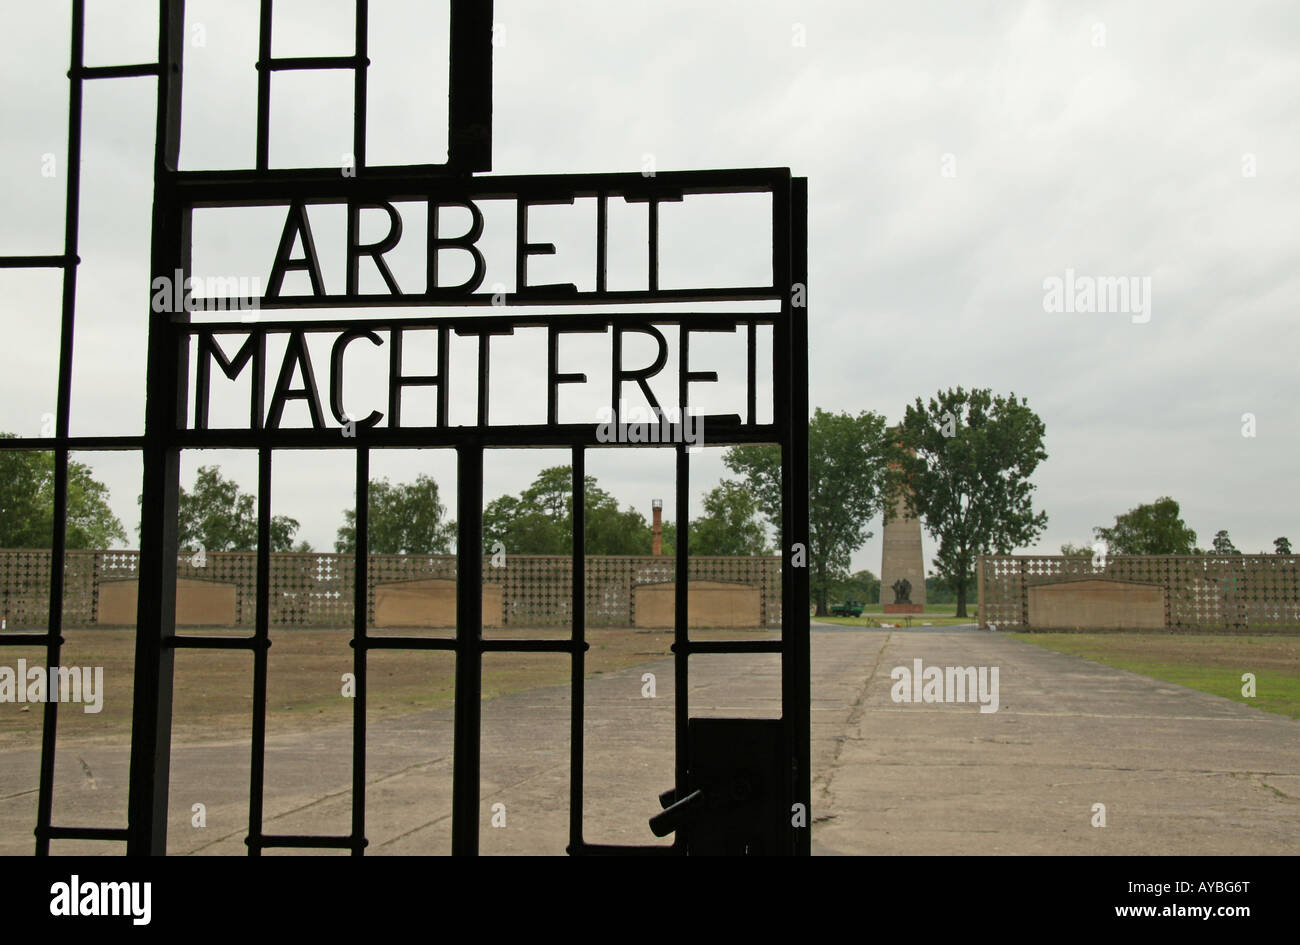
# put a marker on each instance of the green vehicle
(850, 608)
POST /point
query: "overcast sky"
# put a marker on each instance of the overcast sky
(959, 155)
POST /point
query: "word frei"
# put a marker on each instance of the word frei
(1127, 294)
(62, 684)
(946, 684)
(75, 898)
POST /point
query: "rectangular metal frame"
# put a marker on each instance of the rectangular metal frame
(176, 195)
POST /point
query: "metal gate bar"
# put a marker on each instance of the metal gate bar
(176, 195)
(359, 669)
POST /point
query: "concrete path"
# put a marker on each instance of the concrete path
(1177, 770)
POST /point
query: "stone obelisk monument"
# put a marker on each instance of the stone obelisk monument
(902, 566)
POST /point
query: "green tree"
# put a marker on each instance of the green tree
(669, 537)
(730, 524)
(1071, 550)
(861, 586)
(615, 531)
(1223, 544)
(25, 522)
(939, 590)
(89, 522)
(27, 504)
(1151, 529)
(539, 521)
(846, 463)
(218, 516)
(962, 464)
(406, 518)
(1282, 546)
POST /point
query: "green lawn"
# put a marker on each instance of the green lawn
(1212, 663)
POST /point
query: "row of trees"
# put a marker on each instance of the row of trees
(410, 518)
(404, 518)
(864, 586)
(1157, 528)
(216, 515)
(961, 462)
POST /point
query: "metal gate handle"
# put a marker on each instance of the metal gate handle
(677, 815)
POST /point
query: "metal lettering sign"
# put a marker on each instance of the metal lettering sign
(220, 336)
(236, 346)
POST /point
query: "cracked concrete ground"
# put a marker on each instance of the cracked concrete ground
(1179, 771)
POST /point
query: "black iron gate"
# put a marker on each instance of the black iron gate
(171, 426)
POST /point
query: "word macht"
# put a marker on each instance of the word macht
(83, 684)
(103, 899)
(946, 684)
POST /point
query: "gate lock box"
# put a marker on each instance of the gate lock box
(736, 801)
